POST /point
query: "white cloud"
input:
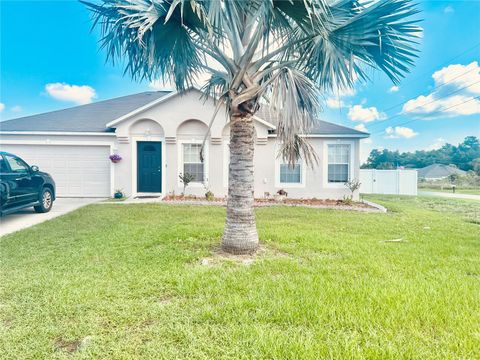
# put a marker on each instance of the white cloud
(394, 89)
(453, 74)
(448, 9)
(463, 80)
(400, 132)
(348, 92)
(430, 107)
(335, 103)
(2, 107)
(365, 115)
(361, 127)
(79, 94)
(437, 144)
(16, 108)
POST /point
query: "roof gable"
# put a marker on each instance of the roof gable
(102, 116)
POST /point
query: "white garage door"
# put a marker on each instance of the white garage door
(78, 171)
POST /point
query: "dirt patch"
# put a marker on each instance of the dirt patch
(72, 346)
(166, 299)
(69, 346)
(219, 256)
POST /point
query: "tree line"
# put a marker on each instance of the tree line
(465, 156)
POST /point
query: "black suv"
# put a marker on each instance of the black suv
(22, 186)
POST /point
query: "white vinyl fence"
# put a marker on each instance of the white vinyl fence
(396, 182)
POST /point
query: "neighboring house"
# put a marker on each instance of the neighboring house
(438, 172)
(158, 135)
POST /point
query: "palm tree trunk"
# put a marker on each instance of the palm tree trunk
(240, 235)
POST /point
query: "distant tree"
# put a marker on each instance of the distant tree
(465, 156)
(476, 166)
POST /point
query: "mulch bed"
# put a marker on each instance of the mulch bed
(316, 203)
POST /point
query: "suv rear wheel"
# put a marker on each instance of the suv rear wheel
(46, 201)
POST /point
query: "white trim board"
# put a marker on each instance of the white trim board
(338, 136)
(58, 133)
(164, 99)
(351, 165)
(205, 163)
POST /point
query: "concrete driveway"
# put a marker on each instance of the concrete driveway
(28, 217)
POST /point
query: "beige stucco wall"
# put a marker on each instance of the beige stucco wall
(185, 119)
(171, 122)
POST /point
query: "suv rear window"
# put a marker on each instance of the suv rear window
(17, 165)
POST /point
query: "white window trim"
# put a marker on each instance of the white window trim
(194, 184)
(303, 175)
(325, 162)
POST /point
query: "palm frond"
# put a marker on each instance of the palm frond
(294, 102)
(156, 40)
(377, 35)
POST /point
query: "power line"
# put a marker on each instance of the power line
(434, 90)
(449, 60)
(438, 111)
(437, 87)
(428, 103)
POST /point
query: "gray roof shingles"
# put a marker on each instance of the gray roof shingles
(84, 118)
(95, 116)
(435, 171)
(320, 128)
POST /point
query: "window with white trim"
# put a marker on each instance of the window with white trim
(192, 163)
(338, 163)
(291, 174)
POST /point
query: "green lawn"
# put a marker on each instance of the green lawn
(118, 281)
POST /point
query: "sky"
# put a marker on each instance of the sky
(50, 59)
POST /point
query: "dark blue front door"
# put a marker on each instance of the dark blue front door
(149, 162)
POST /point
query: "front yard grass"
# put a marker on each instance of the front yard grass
(469, 191)
(127, 281)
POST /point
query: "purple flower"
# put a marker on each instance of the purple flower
(115, 157)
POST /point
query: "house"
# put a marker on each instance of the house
(438, 172)
(158, 135)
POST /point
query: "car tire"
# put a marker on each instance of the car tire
(46, 201)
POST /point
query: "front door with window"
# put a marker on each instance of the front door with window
(149, 166)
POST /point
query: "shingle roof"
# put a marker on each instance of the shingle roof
(94, 117)
(84, 118)
(321, 127)
(436, 171)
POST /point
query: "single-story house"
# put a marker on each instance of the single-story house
(438, 172)
(158, 135)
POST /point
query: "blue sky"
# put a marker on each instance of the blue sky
(50, 60)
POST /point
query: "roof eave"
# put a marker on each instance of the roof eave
(353, 136)
(72, 133)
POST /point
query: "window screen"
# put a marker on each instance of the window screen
(290, 174)
(191, 161)
(338, 163)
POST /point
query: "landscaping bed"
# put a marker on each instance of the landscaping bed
(262, 202)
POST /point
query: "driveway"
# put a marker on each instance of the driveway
(28, 217)
(450, 195)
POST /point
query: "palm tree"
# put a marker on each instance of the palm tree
(283, 53)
